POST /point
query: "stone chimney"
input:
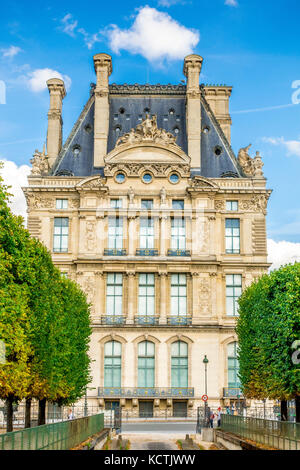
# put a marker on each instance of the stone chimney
(57, 92)
(191, 69)
(103, 69)
(218, 100)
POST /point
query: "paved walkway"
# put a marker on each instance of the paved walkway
(154, 442)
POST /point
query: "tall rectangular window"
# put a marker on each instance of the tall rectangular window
(112, 364)
(115, 232)
(233, 366)
(116, 203)
(233, 292)
(146, 364)
(147, 204)
(178, 204)
(61, 203)
(146, 232)
(232, 205)
(114, 294)
(232, 236)
(179, 364)
(178, 294)
(178, 233)
(61, 234)
(146, 294)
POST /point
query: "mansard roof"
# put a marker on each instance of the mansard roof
(128, 107)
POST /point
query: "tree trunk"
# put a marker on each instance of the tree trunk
(284, 410)
(9, 414)
(28, 413)
(42, 412)
(297, 400)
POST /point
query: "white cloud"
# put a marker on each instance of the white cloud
(282, 252)
(292, 146)
(69, 25)
(16, 177)
(169, 3)
(11, 51)
(154, 35)
(231, 3)
(37, 79)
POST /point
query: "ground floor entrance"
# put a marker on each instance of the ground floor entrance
(146, 409)
(180, 409)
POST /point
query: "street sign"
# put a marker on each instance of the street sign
(204, 397)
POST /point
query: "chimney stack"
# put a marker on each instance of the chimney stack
(103, 69)
(191, 69)
(57, 93)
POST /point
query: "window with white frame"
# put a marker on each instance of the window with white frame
(178, 294)
(61, 203)
(146, 232)
(147, 204)
(179, 364)
(112, 364)
(146, 364)
(232, 236)
(233, 292)
(232, 205)
(146, 294)
(61, 234)
(115, 232)
(178, 233)
(114, 293)
(178, 204)
(233, 365)
(116, 203)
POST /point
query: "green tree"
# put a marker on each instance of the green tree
(268, 325)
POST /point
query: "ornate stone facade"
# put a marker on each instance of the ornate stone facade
(186, 256)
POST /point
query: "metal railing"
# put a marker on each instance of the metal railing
(281, 435)
(146, 392)
(232, 392)
(146, 252)
(146, 320)
(179, 320)
(56, 436)
(112, 319)
(179, 252)
(115, 252)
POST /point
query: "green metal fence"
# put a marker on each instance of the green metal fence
(56, 436)
(277, 434)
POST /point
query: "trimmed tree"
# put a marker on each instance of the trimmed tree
(267, 327)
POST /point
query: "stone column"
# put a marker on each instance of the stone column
(99, 294)
(130, 299)
(192, 69)
(163, 298)
(132, 234)
(195, 296)
(163, 234)
(103, 69)
(57, 92)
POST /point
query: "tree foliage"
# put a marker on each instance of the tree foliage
(268, 325)
(44, 319)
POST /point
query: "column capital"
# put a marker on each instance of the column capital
(56, 86)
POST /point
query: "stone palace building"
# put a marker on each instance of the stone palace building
(146, 206)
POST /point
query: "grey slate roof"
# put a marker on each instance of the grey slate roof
(128, 106)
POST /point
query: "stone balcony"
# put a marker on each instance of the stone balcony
(232, 392)
(143, 320)
(146, 392)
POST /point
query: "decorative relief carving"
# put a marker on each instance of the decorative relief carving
(95, 183)
(203, 234)
(147, 131)
(35, 201)
(251, 166)
(90, 235)
(89, 288)
(74, 203)
(204, 293)
(219, 205)
(258, 203)
(201, 182)
(136, 169)
(40, 164)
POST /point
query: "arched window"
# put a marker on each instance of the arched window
(179, 364)
(112, 364)
(146, 352)
(233, 365)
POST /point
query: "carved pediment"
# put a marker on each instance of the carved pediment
(146, 145)
(198, 182)
(92, 183)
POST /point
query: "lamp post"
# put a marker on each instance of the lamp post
(205, 362)
(85, 412)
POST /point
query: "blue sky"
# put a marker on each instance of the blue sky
(252, 45)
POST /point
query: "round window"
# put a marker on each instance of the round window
(147, 178)
(120, 178)
(174, 178)
(218, 151)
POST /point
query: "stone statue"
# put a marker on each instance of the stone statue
(39, 162)
(251, 166)
(131, 195)
(147, 131)
(163, 196)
